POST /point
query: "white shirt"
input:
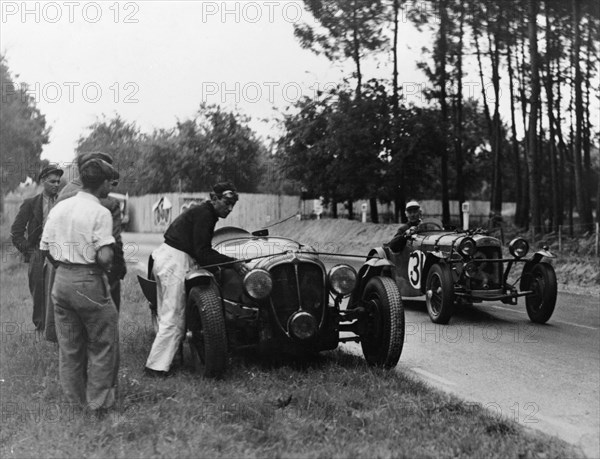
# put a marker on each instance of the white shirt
(76, 229)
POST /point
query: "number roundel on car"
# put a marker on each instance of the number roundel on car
(416, 261)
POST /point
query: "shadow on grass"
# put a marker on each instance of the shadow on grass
(268, 361)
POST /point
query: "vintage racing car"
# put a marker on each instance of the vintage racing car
(287, 302)
(468, 266)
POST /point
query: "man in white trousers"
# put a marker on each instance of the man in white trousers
(187, 244)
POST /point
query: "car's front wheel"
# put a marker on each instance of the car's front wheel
(206, 321)
(382, 343)
(439, 294)
(542, 281)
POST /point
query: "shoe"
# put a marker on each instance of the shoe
(156, 373)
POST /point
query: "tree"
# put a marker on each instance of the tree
(581, 192)
(217, 145)
(336, 145)
(534, 101)
(23, 133)
(120, 139)
(351, 28)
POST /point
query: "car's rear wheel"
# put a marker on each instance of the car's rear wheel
(383, 341)
(206, 321)
(542, 281)
(439, 294)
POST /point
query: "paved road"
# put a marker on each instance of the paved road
(545, 377)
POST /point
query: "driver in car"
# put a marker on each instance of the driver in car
(406, 230)
(187, 245)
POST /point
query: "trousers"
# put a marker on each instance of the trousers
(35, 273)
(170, 268)
(88, 335)
(49, 274)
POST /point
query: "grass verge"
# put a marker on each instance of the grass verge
(333, 405)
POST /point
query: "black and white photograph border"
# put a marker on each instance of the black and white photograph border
(332, 118)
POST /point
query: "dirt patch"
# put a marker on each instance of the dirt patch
(575, 274)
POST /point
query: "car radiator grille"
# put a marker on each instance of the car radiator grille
(297, 286)
(489, 274)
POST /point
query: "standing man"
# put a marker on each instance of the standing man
(78, 240)
(187, 243)
(26, 232)
(406, 230)
(118, 269)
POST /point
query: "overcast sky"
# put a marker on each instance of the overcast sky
(154, 62)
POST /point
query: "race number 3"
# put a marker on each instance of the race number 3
(415, 268)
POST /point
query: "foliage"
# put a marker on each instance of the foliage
(335, 145)
(23, 131)
(347, 30)
(122, 141)
(339, 147)
(193, 156)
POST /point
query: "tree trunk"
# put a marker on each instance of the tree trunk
(550, 49)
(514, 141)
(460, 193)
(523, 98)
(585, 216)
(533, 113)
(486, 109)
(443, 46)
(374, 212)
(496, 138)
(399, 197)
(356, 51)
(587, 163)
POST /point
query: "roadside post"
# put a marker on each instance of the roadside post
(465, 211)
(318, 208)
(560, 238)
(363, 208)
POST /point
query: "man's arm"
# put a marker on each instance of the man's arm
(203, 228)
(398, 242)
(104, 257)
(119, 268)
(19, 226)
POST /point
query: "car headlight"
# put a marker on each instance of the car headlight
(467, 247)
(342, 279)
(518, 247)
(471, 269)
(258, 284)
(302, 325)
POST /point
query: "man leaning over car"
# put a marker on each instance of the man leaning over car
(406, 230)
(187, 243)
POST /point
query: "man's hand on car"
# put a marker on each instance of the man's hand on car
(241, 268)
(410, 231)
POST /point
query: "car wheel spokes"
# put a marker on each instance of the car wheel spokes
(435, 295)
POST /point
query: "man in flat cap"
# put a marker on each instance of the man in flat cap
(26, 232)
(406, 230)
(119, 268)
(188, 241)
(78, 240)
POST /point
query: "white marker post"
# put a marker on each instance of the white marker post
(465, 210)
(363, 208)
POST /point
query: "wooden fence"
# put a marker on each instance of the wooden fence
(153, 213)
